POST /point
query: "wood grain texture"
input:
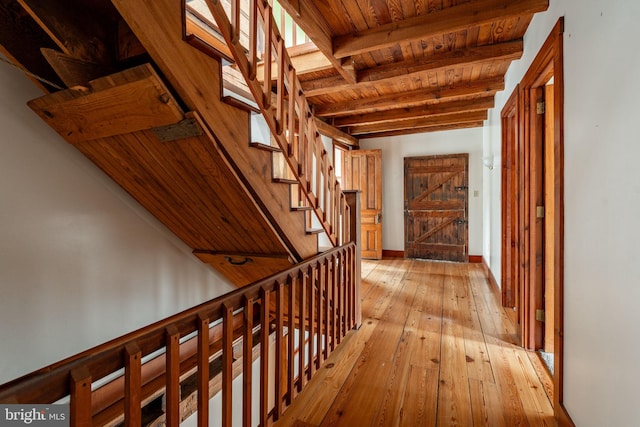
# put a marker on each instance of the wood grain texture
(410, 363)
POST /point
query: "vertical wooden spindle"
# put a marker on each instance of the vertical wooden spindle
(264, 356)
(172, 360)
(334, 296)
(291, 282)
(253, 39)
(327, 306)
(266, 58)
(283, 69)
(312, 319)
(320, 314)
(302, 303)
(247, 362)
(227, 365)
(203, 370)
(280, 375)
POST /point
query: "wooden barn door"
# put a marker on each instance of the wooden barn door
(435, 213)
(363, 171)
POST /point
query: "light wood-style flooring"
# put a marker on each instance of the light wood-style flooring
(435, 349)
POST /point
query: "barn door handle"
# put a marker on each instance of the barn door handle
(461, 188)
(460, 221)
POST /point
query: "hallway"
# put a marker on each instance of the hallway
(435, 349)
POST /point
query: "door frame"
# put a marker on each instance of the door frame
(547, 64)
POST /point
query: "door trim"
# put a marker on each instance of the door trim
(547, 63)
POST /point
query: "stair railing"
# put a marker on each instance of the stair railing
(279, 95)
(306, 311)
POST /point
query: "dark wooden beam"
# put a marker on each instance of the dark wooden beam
(388, 73)
(444, 21)
(314, 24)
(425, 129)
(420, 122)
(481, 88)
(430, 110)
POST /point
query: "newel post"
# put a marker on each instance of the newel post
(352, 198)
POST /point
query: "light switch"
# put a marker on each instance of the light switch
(476, 193)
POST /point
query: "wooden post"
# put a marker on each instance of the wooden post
(80, 397)
(133, 385)
(353, 200)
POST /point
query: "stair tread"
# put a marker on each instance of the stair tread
(285, 181)
(265, 147)
(239, 104)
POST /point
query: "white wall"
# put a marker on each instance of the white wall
(80, 261)
(602, 204)
(396, 148)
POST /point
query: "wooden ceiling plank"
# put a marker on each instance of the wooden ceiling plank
(316, 27)
(422, 111)
(424, 130)
(412, 98)
(438, 22)
(389, 73)
(420, 122)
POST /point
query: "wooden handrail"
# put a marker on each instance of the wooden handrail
(289, 304)
(285, 108)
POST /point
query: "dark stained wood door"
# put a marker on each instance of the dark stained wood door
(363, 171)
(436, 192)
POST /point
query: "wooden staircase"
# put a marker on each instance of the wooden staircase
(164, 131)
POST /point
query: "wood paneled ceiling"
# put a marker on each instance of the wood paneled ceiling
(408, 66)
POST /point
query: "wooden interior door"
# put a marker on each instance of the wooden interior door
(436, 200)
(362, 170)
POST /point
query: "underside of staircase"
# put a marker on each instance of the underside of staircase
(125, 88)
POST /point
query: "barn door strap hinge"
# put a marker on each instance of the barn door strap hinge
(540, 107)
(540, 315)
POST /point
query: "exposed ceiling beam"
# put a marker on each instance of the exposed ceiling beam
(425, 129)
(334, 133)
(430, 110)
(506, 51)
(410, 99)
(313, 23)
(444, 21)
(420, 122)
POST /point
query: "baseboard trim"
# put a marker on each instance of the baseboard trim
(392, 254)
(491, 278)
(475, 259)
(562, 416)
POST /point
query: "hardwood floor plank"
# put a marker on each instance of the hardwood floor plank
(485, 404)
(454, 401)
(409, 364)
